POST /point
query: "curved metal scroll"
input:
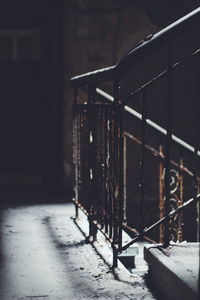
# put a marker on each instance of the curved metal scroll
(176, 199)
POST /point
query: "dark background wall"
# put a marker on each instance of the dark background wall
(31, 91)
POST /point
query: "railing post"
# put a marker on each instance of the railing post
(196, 147)
(111, 169)
(118, 174)
(115, 174)
(125, 178)
(115, 257)
(142, 162)
(161, 193)
(196, 170)
(91, 148)
(168, 142)
(180, 202)
(75, 150)
(121, 174)
(106, 171)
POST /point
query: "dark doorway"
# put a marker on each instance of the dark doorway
(31, 88)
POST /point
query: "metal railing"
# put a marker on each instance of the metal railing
(105, 125)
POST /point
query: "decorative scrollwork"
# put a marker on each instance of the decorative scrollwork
(176, 199)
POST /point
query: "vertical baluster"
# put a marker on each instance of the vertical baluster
(79, 143)
(90, 170)
(142, 163)
(85, 180)
(102, 168)
(198, 215)
(79, 150)
(125, 179)
(168, 143)
(115, 155)
(81, 136)
(111, 168)
(75, 148)
(196, 142)
(180, 201)
(98, 171)
(81, 192)
(106, 166)
(91, 93)
(116, 174)
(161, 193)
(121, 173)
(91, 151)
(196, 153)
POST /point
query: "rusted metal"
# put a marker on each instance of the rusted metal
(100, 149)
(98, 166)
(176, 200)
(159, 130)
(196, 161)
(131, 230)
(160, 155)
(101, 213)
(165, 219)
(161, 193)
(168, 143)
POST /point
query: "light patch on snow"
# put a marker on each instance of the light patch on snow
(45, 256)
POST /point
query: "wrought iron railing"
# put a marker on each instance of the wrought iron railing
(109, 173)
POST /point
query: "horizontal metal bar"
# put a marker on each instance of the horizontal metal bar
(103, 232)
(137, 141)
(152, 124)
(161, 75)
(105, 95)
(93, 105)
(133, 230)
(94, 222)
(81, 207)
(161, 221)
(157, 40)
(94, 76)
(161, 156)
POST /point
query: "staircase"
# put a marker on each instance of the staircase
(174, 270)
(136, 153)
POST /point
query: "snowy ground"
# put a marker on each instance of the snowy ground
(44, 256)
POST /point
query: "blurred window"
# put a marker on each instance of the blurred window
(20, 45)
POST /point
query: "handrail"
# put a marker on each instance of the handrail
(149, 122)
(161, 75)
(159, 154)
(152, 42)
(94, 76)
(140, 51)
(101, 145)
(161, 221)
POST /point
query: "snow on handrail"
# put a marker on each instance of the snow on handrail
(149, 122)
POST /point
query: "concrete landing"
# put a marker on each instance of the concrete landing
(174, 271)
(43, 255)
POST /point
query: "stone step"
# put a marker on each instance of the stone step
(174, 271)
